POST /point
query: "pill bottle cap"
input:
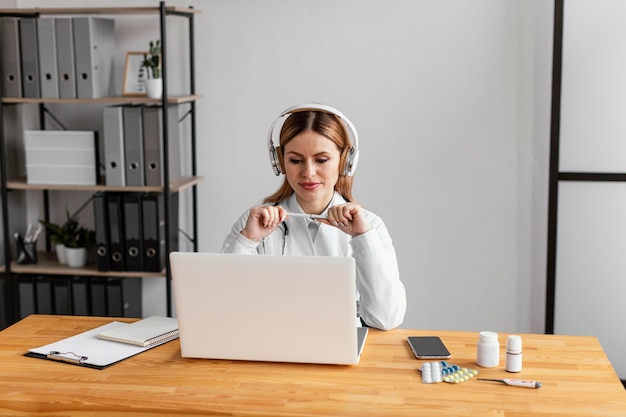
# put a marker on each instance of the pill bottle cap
(514, 343)
(487, 336)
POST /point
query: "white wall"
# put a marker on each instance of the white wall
(451, 100)
(443, 94)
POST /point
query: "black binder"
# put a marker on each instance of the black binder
(97, 296)
(26, 285)
(80, 296)
(116, 232)
(133, 231)
(153, 232)
(44, 295)
(103, 258)
(61, 295)
(115, 297)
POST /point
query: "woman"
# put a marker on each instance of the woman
(318, 153)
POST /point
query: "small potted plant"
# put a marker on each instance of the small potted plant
(57, 235)
(152, 64)
(78, 242)
(72, 242)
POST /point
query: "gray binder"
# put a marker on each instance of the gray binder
(153, 157)
(10, 62)
(94, 45)
(65, 57)
(153, 144)
(175, 135)
(133, 146)
(113, 130)
(30, 57)
(46, 40)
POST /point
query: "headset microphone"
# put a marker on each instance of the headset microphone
(352, 157)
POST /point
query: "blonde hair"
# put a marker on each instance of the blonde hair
(325, 124)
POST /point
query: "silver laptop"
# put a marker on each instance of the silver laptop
(267, 308)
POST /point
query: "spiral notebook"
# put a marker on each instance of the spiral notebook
(148, 332)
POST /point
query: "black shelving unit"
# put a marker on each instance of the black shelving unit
(10, 269)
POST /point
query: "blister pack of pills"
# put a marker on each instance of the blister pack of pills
(456, 376)
(441, 371)
(432, 372)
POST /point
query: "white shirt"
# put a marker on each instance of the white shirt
(380, 293)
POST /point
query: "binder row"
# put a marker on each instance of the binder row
(54, 57)
(133, 144)
(130, 230)
(82, 296)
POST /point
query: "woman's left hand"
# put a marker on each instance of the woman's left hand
(347, 217)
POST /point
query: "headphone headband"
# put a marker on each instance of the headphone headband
(353, 152)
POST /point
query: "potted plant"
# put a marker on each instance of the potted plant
(152, 64)
(72, 242)
(78, 242)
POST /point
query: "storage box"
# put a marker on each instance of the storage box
(66, 157)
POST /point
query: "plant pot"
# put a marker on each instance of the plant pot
(60, 251)
(154, 87)
(76, 257)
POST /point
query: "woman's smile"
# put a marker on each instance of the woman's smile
(310, 186)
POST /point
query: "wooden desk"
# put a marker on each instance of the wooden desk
(577, 378)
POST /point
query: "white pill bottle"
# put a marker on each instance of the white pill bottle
(513, 361)
(488, 350)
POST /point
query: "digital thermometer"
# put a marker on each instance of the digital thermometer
(515, 382)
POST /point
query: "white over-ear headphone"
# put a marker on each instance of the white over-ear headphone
(353, 153)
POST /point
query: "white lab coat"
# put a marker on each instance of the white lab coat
(381, 298)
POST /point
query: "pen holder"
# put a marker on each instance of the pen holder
(26, 252)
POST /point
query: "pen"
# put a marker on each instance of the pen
(27, 235)
(515, 382)
(308, 216)
(36, 234)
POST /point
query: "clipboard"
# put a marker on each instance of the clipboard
(86, 349)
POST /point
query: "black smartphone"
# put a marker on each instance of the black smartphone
(428, 347)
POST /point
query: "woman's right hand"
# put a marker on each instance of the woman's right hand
(262, 221)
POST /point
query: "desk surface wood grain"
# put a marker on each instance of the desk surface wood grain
(578, 380)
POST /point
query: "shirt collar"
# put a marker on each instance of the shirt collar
(292, 205)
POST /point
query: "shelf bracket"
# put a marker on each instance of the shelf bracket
(53, 117)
